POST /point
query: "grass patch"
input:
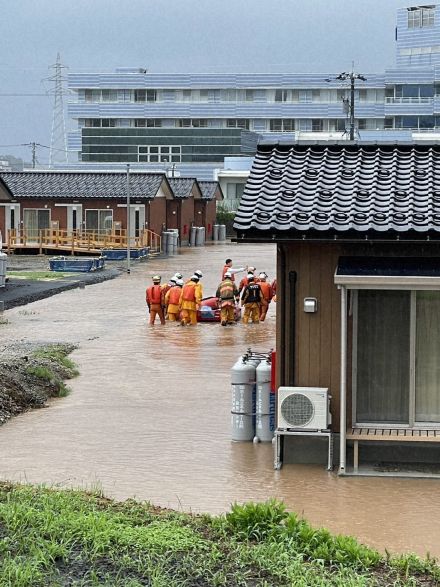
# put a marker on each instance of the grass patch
(57, 354)
(75, 538)
(3, 321)
(37, 275)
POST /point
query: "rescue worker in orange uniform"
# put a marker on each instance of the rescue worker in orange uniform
(245, 280)
(190, 298)
(251, 301)
(231, 270)
(266, 295)
(172, 299)
(155, 301)
(227, 295)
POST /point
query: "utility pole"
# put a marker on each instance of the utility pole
(348, 104)
(34, 157)
(128, 218)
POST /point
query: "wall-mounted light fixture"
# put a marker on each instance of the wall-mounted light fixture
(310, 305)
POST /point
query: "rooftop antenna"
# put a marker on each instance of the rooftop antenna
(58, 145)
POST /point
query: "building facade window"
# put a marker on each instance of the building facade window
(421, 16)
(281, 95)
(99, 122)
(109, 95)
(145, 95)
(160, 154)
(192, 122)
(281, 125)
(148, 122)
(238, 123)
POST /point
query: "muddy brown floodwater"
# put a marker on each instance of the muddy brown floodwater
(149, 416)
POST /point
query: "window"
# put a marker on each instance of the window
(160, 154)
(192, 122)
(317, 125)
(109, 96)
(422, 16)
(107, 122)
(397, 336)
(100, 221)
(148, 122)
(234, 191)
(140, 95)
(249, 95)
(204, 95)
(281, 125)
(304, 125)
(228, 95)
(92, 95)
(238, 123)
(281, 95)
(99, 122)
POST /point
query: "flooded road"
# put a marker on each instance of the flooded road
(149, 416)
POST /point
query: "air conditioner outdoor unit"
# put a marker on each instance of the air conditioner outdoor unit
(303, 408)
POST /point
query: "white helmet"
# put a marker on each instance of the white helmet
(179, 282)
(198, 273)
(262, 275)
(178, 275)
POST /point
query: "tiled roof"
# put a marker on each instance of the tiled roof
(209, 189)
(340, 188)
(82, 185)
(182, 186)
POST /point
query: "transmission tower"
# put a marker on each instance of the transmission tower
(58, 144)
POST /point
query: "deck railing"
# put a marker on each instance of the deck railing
(90, 240)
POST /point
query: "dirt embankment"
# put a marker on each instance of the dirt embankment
(30, 374)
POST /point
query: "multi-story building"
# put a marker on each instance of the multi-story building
(192, 121)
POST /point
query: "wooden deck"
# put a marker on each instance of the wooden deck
(388, 435)
(79, 242)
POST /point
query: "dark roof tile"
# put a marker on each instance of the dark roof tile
(338, 188)
(82, 185)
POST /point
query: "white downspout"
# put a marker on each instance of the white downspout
(343, 389)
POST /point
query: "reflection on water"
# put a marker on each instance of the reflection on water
(149, 415)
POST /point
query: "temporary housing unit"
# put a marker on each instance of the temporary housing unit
(357, 230)
(205, 209)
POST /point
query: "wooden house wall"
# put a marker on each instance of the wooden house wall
(310, 353)
(200, 213)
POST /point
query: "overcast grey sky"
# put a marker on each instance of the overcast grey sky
(177, 35)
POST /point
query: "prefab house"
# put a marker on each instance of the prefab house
(85, 202)
(205, 210)
(357, 231)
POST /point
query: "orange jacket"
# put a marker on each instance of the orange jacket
(266, 290)
(173, 295)
(154, 294)
(189, 292)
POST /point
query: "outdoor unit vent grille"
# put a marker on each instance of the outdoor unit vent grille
(297, 409)
(304, 408)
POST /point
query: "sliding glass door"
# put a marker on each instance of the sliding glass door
(34, 220)
(396, 357)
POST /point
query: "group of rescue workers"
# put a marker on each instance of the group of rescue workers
(178, 301)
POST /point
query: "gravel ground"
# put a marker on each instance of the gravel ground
(23, 291)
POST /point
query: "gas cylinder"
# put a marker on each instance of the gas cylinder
(265, 403)
(243, 387)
